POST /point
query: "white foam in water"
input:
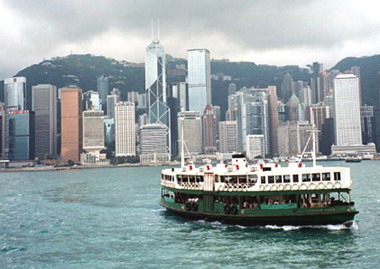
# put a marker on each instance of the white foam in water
(330, 227)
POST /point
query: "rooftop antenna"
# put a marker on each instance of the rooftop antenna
(151, 28)
(158, 28)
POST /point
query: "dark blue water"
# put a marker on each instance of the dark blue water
(110, 218)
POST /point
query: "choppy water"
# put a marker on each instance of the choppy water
(110, 218)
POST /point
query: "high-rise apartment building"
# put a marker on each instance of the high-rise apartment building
(347, 110)
(209, 130)
(199, 79)
(125, 129)
(44, 105)
(191, 124)
(21, 135)
(155, 85)
(71, 124)
(227, 136)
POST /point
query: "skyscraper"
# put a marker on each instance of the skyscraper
(125, 129)
(347, 110)
(102, 85)
(199, 79)
(91, 100)
(2, 130)
(191, 123)
(273, 119)
(180, 92)
(255, 146)
(155, 84)
(21, 135)
(209, 130)
(227, 136)
(153, 145)
(44, 105)
(287, 87)
(71, 124)
(15, 93)
(93, 130)
(112, 100)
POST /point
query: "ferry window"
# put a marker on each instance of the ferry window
(286, 178)
(199, 179)
(262, 180)
(192, 179)
(234, 179)
(271, 179)
(253, 178)
(278, 179)
(221, 179)
(242, 179)
(337, 176)
(305, 177)
(317, 177)
(326, 176)
(295, 178)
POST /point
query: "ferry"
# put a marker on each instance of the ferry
(259, 194)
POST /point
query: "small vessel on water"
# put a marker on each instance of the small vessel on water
(259, 194)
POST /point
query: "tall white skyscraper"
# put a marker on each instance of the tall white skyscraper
(347, 110)
(15, 93)
(125, 129)
(155, 84)
(44, 105)
(199, 79)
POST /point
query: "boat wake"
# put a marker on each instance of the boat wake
(337, 227)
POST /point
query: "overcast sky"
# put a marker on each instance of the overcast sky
(263, 31)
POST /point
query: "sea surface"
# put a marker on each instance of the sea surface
(110, 218)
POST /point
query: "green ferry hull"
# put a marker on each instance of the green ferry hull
(296, 217)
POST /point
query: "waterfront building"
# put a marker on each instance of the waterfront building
(2, 130)
(125, 129)
(367, 123)
(109, 131)
(191, 124)
(227, 136)
(71, 124)
(21, 135)
(91, 101)
(44, 105)
(199, 79)
(112, 100)
(155, 85)
(255, 146)
(209, 130)
(153, 146)
(102, 86)
(273, 119)
(15, 93)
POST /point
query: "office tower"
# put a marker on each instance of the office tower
(251, 114)
(347, 110)
(209, 130)
(293, 137)
(273, 119)
(125, 129)
(316, 69)
(102, 86)
(317, 115)
(71, 124)
(255, 146)
(227, 136)
(287, 88)
(109, 131)
(281, 111)
(93, 130)
(155, 85)
(191, 123)
(153, 146)
(112, 100)
(2, 130)
(367, 123)
(21, 135)
(141, 101)
(91, 101)
(292, 109)
(44, 105)
(173, 104)
(327, 137)
(199, 79)
(15, 93)
(180, 91)
(231, 88)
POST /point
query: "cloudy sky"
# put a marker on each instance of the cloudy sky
(275, 32)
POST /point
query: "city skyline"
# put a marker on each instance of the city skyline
(291, 38)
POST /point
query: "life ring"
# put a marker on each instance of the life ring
(303, 186)
(268, 187)
(312, 186)
(337, 185)
(262, 187)
(295, 187)
(233, 209)
(227, 209)
(273, 188)
(194, 206)
(321, 185)
(288, 187)
(280, 187)
(329, 185)
(188, 206)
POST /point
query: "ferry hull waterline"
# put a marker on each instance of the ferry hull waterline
(259, 194)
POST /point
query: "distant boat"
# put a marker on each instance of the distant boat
(353, 160)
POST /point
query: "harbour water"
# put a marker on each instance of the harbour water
(110, 218)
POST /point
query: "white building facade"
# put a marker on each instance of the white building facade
(125, 129)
